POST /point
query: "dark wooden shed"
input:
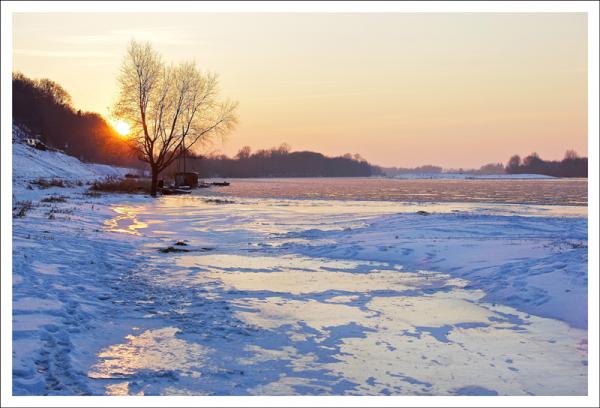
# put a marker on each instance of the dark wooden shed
(186, 179)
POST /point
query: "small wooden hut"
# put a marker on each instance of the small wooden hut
(186, 179)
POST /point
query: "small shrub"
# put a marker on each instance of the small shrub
(21, 208)
(47, 183)
(117, 185)
(576, 245)
(172, 249)
(56, 210)
(91, 193)
(218, 201)
(54, 199)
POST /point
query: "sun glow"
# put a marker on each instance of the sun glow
(122, 127)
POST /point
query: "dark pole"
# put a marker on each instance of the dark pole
(183, 147)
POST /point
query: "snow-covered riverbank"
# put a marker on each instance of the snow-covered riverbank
(286, 297)
(30, 163)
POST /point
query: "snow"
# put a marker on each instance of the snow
(30, 164)
(281, 297)
(537, 264)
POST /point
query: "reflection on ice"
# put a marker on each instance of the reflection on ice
(126, 221)
(535, 359)
(235, 262)
(151, 353)
(434, 310)
(297, 275)
(390, 331)
(275, 312)
(440, 344)
(286, 385)
(298, 282)
(282, 306)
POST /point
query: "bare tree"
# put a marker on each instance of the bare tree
(532, 159)
(54, 91)
(571, 155)
(244, 153)
(169, 108)
(514, 162)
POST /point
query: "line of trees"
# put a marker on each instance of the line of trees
(490, 168)
(46, 108)
(394, 171)
(275, 162)
(570, 166)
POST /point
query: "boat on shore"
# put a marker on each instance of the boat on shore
(173, 191)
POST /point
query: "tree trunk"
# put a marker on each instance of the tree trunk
(154, 185)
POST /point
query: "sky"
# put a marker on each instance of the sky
(400, 89)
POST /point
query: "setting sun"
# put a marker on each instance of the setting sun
(122, 127)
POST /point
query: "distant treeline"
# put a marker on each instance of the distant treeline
(491, 168)
(46, 109)
(394, 171)
(276, 162)
(571, 166)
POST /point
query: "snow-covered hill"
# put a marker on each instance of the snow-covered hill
(30, 163)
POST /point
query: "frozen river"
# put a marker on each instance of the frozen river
(516, 189)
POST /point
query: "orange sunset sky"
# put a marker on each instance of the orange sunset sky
(401, 89)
